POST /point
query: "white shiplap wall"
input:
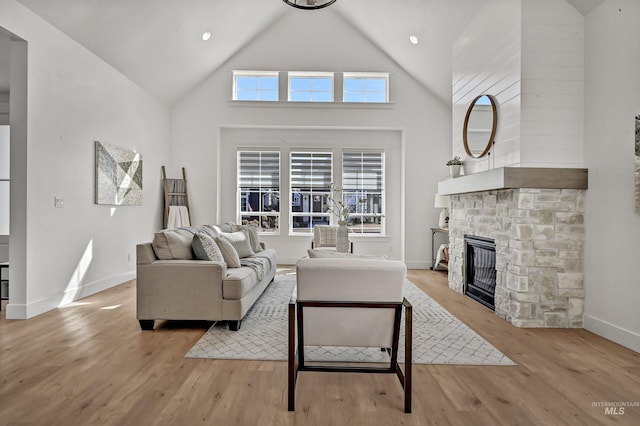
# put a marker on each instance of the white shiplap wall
(530, 56)
(552, 84)
(486, 59)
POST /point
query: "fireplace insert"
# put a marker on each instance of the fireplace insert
(480, 269)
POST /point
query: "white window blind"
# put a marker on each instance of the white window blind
(259, 189)
(311, 174)
(363, 190)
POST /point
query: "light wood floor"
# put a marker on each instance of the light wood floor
(89, 363)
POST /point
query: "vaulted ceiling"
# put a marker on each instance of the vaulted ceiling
(158, 45)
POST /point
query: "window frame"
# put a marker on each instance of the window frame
(272, 217)
(292, 75)
(258, 75)
(365, 76)
(360, 190)
(312, 192)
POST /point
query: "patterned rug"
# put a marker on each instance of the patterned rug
(438, 336)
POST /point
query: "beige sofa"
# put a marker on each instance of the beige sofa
(173, 285)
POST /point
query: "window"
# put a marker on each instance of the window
(311, 175)
(366, 87)
(363, 190)
(255, 86)
(259, 189)
(4, 180)
(310, 87)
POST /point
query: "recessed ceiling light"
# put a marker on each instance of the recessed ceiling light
(206, 36)
(413, 39)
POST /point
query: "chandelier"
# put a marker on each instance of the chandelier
(309, 4)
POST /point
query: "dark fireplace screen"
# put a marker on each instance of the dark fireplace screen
(480, 269)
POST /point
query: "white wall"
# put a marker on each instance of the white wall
(612, 99)
(74, 98)
(303, 42)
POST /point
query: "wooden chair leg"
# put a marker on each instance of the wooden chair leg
(408, 354)
(292, 361)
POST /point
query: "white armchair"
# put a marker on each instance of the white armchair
(349, 302)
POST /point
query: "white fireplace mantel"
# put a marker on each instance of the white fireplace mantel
(516, 177)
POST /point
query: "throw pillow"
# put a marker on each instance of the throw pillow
(229, 254)
(205, 248)
(240, 242)
(254, 239)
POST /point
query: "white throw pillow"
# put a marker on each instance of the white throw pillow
(240, 241)
(252, 231)
(228, 252)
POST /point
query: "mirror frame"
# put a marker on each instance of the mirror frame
(493, 127)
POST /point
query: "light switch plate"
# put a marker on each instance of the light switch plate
(59, 202)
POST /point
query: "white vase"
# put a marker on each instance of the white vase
(454, 170)
(342, 237)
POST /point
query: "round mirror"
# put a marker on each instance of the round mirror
(480, 126)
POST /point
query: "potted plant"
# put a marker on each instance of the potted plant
(454, 166)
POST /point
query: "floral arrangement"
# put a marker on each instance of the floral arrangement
(338, 208)
(335, 204)
(455, 161)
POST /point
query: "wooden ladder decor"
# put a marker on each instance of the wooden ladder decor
(175, 194)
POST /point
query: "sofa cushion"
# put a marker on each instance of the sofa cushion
(252, 231)
(228, 252)
(238, 282)
(173, 244)
(205, 248)
(240, 241)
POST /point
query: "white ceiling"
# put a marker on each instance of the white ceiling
(157, 44)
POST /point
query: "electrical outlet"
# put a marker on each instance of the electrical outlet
(128, 257)
(58, 202)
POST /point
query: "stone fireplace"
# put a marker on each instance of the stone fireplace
(539, 241)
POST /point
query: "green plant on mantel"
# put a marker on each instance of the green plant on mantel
(455, 161)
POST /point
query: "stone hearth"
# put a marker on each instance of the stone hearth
(539, 237)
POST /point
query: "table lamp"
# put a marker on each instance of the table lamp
(442, 201)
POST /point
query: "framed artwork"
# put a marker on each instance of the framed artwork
(118, 175)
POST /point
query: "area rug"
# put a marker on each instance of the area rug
(438, 336)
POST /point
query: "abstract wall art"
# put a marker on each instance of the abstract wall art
(118, 175)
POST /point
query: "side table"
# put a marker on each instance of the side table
(435, 231)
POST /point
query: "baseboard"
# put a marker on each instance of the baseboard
(26, 311)
(622, 336)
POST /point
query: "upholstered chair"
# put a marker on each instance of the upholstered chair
(351, 302)
(325, 237)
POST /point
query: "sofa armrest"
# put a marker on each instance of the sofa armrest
(145, 253)
(179, 289)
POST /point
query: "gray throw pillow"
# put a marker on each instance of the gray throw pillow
(205, 248)
(228, 252)
(240, 241)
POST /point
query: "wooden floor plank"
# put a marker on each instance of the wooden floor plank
(89, 363)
